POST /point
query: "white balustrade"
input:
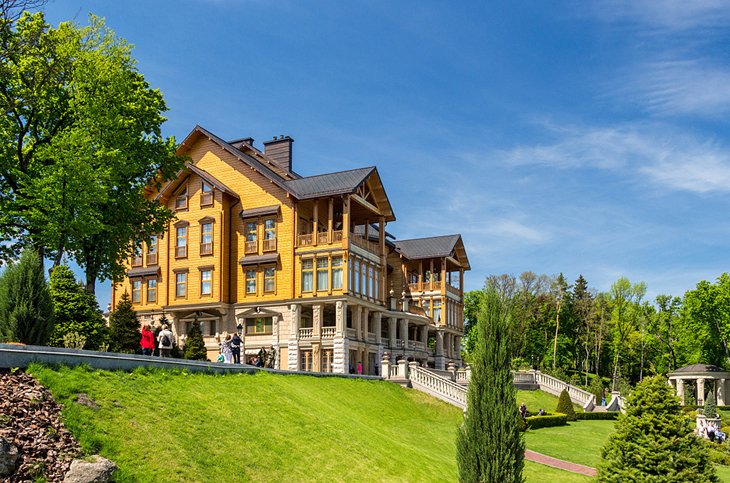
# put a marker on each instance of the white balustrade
(328, 332)
(437, 385)
(305, 333)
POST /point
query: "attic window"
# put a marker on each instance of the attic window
(206, 195)
(181, 199)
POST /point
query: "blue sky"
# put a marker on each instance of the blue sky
(582, 137)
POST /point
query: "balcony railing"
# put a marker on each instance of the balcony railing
(385, 341)
(251, 247)
(415, 309)
(364, 244)
(206, 199)
(413, 287)
(270, 244)
(181, 252)
(452, 289)
(206, 248)
(436, 284)
(336, 236)
(351, 334)
(305, 240)
(137, 261)
(371, 337)
(151, 259)
(305, 333)
(323, 238)
(328, 332)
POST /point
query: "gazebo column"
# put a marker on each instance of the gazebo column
(700, 391)
(721, 392)
(680, 390)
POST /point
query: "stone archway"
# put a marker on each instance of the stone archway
(705, 378)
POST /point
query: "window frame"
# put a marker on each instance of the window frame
(206, 196)
(269, 278)
(323, 273)
(307, 268)
(183, 284)
(181, 198)
(136, 291)
(154, 291)
(204, 234)
(209, 281)
(184, 238)
(251, 281)
(337, 268)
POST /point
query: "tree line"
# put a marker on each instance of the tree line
(620, 335)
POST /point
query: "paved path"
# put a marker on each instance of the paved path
(556, 463)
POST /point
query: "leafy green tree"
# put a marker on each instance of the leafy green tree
(665, 326)
(653, 441)
(472, 301)
(76, 310)
(79, 142)
(194, 344)
(565, 405)
(26, 309)
(489, 445)
(124, 329)
(559, 289)
(625, 303)
(706, 315)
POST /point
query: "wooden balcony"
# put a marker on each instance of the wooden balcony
(336, 236)
(181, 252)
(151, 259)
(305, 240)
(206, 199)
(452, 289)
(206, 248)
(270, 244)
(364, 244)
(137, 261)
(323, 238)
(251, 247)
(328, 332)
(414, 287)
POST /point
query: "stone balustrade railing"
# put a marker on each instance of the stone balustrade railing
(555, 386)
(437, 386)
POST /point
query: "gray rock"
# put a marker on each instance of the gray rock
(94, 470)
(8, 458)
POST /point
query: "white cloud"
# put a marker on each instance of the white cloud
(673, 15)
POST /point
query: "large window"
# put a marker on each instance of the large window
(152, 250)
(181, 242)
(251, 238)
(151, 290)
(206, 239)
(137, 291)
(259, 326)
(251, 281)
(206, 282)
(181, 201)
(307, 275)
(437, 310)
(322, 274)
(181, 284)
(206, 195)
(357, 276)
(371, 281)
(336, 273)
(269, 234)
(137, 255)
(269, 279)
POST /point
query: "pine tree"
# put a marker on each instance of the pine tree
(194, 344)
(565, 405)
(653, 441)
(710, 409)
(26, 309)
(489, 445)
(124, 329)
(76, 310)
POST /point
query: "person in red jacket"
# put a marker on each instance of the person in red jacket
(148, 341)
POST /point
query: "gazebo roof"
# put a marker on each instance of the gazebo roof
(707, 370)
(700, 368)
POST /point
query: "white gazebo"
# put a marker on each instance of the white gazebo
(706, 378)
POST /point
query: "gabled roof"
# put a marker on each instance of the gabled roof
(209, 178)
(330, 183)
(433, 247)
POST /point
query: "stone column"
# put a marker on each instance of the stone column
(392, 331)
(274, 341)
(295, 317)
(424, 335)
(317, 313)
(378, 326)
(457, 348)
(404, 332)
(700, 391)
(680, 390)
(364, 324)
(357, 321)
(439, 359)
(721, 392)
(340, 317)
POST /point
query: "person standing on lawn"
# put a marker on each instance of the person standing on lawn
(236, 348)
(164, 339)
(147, 343)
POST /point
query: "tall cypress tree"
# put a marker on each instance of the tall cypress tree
(653, 441)
(26, 309)
(489, 445)
(194, 344)
(124, 329)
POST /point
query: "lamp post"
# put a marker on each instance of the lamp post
(532, 361)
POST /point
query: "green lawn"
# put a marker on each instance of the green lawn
(163, 426)
(536, 400)
(579, 441)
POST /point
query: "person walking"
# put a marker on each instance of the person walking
(359, 368)
(147, 343)
(164, 339)
(226, 349)
(236, 348)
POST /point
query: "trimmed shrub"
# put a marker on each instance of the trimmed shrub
(124, 329)
(565, 406)
(602, 416)
(194, 344)
(710, 410)
(536, 422)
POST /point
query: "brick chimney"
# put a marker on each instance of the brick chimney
(279, 150)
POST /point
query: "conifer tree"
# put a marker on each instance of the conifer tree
(26, 309)
(194, 344)
(653, 441)
(710, 409)
(565, 405)
(489, 445)
(124, 330)
(76, 310)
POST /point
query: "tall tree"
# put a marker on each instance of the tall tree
(472, 302)
(584, 311)
(625, 300)
(489, 446)
(124, 329)
(26, 309)
(559, 290)
(706, 313)
(653, 441)
(664, 326)
(80, 143)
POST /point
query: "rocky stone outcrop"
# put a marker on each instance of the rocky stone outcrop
(9, 457)
(91, 470)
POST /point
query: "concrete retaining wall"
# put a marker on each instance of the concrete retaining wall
(21, 356)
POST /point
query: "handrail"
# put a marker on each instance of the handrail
(438, 386)
(555, 386)
(305, 332)
(328, 332)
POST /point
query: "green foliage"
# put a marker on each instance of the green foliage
(598, 416)
(710, 410)
(124, 333)
(26, 309)
(653, 441)
(76, 311)
(194, 344)
(472, 301)
(548, 421)
(596, 387)
(565, 406)
(489, 445)
(72, 340)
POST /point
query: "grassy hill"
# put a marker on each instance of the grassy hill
(163, 426)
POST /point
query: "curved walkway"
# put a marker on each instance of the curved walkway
(560, 464)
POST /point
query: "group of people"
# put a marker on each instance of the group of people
(164, 341)
(708, 431)
(524, 412)
(230, 353)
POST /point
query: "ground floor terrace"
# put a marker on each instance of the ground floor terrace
(337, 335)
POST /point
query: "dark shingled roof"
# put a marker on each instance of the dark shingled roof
(258, 259)
(329, 184)
(143, 272)
(701, 368)
(432, 247)
(209, 178)
(261, 211)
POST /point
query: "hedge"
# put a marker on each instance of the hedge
(596, 416)
(555, 419)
